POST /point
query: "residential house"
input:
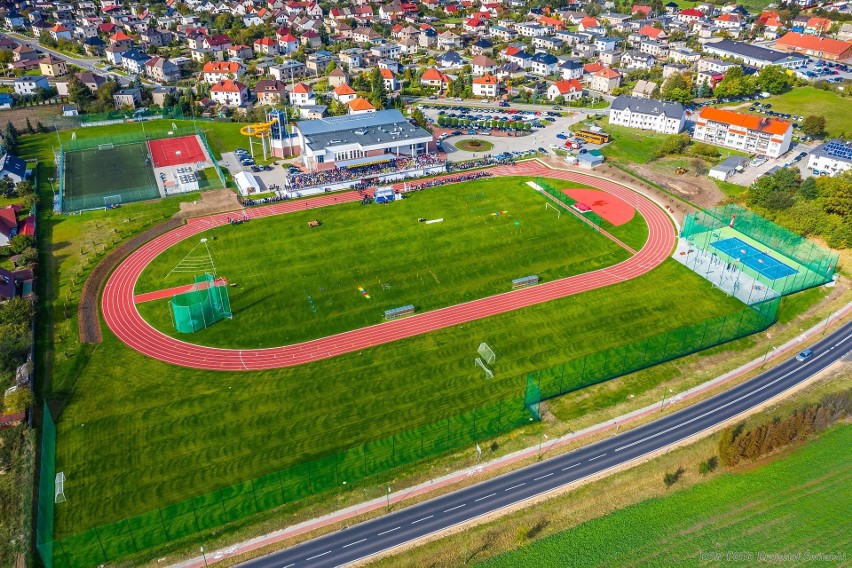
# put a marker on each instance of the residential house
(644, 89)
(318, 61)
(531, 30)
(544, 64)
(240, 52)
(483, 65)
(266, 46)
(52, 67)
(8, 219)
(449, 59)
(831, 158)
(270, 92)
(287, 70)
(58, 32)
(390, 81)
(635, 59)
(121, 39)
(486, 86)
(216, 71)
(654, 48)
(13, 168)
(366, 34)
(162, 96)
(29, 85)
(344, 93)
(482, 46)
(337, 77)
(571, 69)
(162, 70)
(360, 105)
(605, 80)
(814, 46)
(434, 78)
(302, 95)
(127, 98)
(133, 61)
(448, 41)
(94, 46)
(568, 89)
(287, 43)
(230, 93)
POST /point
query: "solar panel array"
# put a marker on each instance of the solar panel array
(839, 149)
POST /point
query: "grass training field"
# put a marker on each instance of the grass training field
(296, 283)
(790, 506)
(630, 145)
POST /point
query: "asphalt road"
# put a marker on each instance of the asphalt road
(372, 537)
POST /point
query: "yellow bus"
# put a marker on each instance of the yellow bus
(592, 137)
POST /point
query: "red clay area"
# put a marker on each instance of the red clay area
(610, 207)
(176, 151)
(120, 314)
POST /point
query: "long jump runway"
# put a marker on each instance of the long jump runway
(120, 314)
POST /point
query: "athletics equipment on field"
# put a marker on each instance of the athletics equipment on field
(525, 281)
(489, 374)
(486, 353)
(59, 488)
(399, 312)
(202, 306)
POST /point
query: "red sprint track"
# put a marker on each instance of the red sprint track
(119, 308)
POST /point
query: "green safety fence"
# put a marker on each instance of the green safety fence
(47, 474)
(131, 137)
(127, 536)
(213, 158)
(814, 264)
(118, 116)
(200, 307)
(631, 357)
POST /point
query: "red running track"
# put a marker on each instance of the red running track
(123, 319)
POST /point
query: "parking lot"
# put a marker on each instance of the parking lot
(542, 135)
(274, 177)
(796, 157)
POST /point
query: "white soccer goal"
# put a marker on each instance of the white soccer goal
(487, 353)
(107, 146)
(112, 200)
(488, 373)
(549, 206)
(59, 488)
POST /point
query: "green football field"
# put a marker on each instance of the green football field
(140, 434)
(294, 283)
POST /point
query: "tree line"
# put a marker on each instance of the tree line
(737, 445)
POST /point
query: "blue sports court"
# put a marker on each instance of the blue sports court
(754, 258)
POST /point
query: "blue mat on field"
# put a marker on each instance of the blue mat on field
(754, 258)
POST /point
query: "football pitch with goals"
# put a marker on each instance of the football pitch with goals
(141, 434)
(292, 282)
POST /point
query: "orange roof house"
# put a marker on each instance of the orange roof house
(816, 46)
(359, 104)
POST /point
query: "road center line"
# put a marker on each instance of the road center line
(318, 555)
(486, 497)
(354, 543)
(423, 519)
(390, 531)
(570, 466)
(515, 486)
(454, 508)
(596, 457)
(543, 476)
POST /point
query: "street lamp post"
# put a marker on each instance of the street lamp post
(663, 400)
(766, 355)
(204, 556)
(388, 497)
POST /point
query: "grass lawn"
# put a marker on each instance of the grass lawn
(804, 101)
(796, 504)
(314, 274)
(630, 145)
(730, 189)
(474, 145)
(146, 434)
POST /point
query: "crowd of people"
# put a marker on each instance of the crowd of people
(264, 201)
(435, 182)
(480, 163)
(366, 171)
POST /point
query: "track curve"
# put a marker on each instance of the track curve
(123, 319)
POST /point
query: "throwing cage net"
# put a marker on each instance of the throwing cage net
(202, 306)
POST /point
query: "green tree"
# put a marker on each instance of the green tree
(735, 84)
(78, 93)
(814, 125)
(30, 129)
(20, 242)
(773, 79)
(677, 88)
(17, 401)
(775, 192)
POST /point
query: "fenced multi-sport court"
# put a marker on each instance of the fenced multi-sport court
(102, 172)
(750, 257)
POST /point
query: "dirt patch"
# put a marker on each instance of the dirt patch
(211, 202)
(39, 113)
(697, 189)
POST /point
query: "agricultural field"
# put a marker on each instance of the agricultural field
(787, 506)
(492, 231)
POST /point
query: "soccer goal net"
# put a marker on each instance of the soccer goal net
(486, 353)
(107, 146)
(202, 306)
(112, 200)
(489, 374)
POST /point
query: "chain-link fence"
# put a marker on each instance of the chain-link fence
(803, 264)
(628, 358)
(47, 474)
(595, 221)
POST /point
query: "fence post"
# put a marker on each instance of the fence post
(195, 515)
(130, 532)
(163, 521)
(561, 378)
(254, 496)
(101, 544)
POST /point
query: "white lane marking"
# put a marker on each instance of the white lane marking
(454, 508)
(288, 566)
(354, 543)
(318, 555)
(596, 457)
(543, 476)
(423, 519)
(390, 531)
(486, 497)
(516, 486)
(718, 408)
(570, 466)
